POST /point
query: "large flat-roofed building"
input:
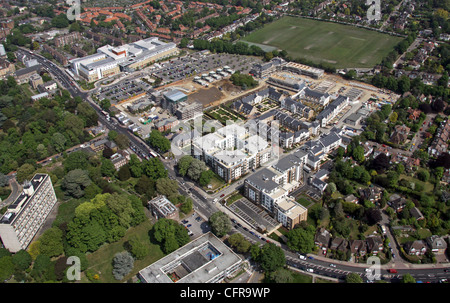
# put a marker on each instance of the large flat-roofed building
(110, 60)
(271, 186)
(305, 70)
(26, 215)
(173, 99)
(232, 151)
(204, 260)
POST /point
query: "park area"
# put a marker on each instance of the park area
(338, 45)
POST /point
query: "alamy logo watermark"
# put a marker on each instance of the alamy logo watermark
(373, 272)
(374, 11)
(74, 11)
(73, 273)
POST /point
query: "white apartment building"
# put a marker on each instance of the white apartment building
(231, 151)
(26, 215)
(271, 186)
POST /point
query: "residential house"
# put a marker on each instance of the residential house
(373, 193)
(358, 247)
(397, 202)
(351, 198)
(417, 248)
(374, 244)
(322, 239)
(437, 244)
(400, 134)
(416, 213)
(339, 244)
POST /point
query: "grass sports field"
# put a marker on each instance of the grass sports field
(338, 45)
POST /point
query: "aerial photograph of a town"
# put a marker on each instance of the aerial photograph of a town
(236, 142)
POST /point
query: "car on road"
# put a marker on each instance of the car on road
(332, 265)
(310, 257)
(302, 257)
(222, 195)
(392, 271)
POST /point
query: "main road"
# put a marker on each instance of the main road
(205, 205)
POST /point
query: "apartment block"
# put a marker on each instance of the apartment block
(231, 151)
(26, 215)
(271, 186)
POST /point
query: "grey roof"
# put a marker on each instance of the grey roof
(27, 70)
(263, 180)
(322, 173)
(287, 162)
(330, 139)
(174, 95)
(314, 94)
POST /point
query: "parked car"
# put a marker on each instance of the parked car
(310, 270)
(302, 257)
(392, 271)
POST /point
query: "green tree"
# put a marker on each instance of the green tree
(423, 175)
(154, 169)
(196, 168)
(76, 160)
(358, 154)
(301, 239)
(25, 172)
(6, 268)
(121, 206)
(353, 278)
(22, 260)
(183, 164)
(158, 141)
(167, 187)
(51, 242)
(407, 278)
(139, 249)
(75, 182)
(220, 223)
(107, 168)
(169, 234)
(124, 173)
(271, 257)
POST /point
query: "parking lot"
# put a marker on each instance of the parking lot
(252, 214)
(198, 63)
(195, 225)
(123, 90)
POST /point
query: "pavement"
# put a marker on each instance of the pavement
(16, 188)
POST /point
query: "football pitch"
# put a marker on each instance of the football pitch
(338, 45)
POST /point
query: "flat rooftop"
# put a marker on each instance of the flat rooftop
(199, 261)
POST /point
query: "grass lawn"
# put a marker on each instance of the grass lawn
(325, 42)
(304, 201)
(216, 182)
(101, 260)
(427, 186)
